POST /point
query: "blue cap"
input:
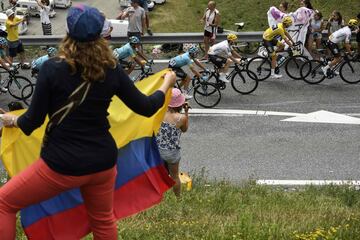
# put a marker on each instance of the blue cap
(84, 23)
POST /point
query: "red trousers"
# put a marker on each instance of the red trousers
(38, 182)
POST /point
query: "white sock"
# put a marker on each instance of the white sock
(272, 71)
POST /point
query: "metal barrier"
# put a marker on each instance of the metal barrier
(157, 38)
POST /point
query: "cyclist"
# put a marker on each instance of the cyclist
(4, 60)
(222, 55)
(186, 59)
(37, 63)
(130, 50)
(341, 35)
(272, 37)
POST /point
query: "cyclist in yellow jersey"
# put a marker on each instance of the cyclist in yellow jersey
(272, 37)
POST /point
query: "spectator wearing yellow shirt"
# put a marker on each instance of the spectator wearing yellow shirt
(15, 44)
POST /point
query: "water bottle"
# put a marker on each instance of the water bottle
(280, 60)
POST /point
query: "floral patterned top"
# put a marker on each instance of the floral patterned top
(168, 137)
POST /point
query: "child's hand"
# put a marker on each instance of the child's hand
(186, 106)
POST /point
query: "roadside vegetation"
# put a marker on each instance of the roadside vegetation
(184, 15)
(220, 210)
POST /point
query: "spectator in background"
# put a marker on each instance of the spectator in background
(284, 6)
(335, 22)
(136, 17)
(107, 29)
(44, 16)
(144, 5)
(307, 4)
(12, 3)
(211, 20)
(15, 44)
(168, 139)
(316, 27)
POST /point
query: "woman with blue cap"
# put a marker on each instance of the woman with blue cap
(75, 89)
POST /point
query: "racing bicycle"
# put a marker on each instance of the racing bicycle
(205, 94)
(15, 83)
(348, 69)
(242, 80)
(293, 60)
(145, 71)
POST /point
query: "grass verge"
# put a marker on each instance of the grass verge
(184, 15)
(222, 210)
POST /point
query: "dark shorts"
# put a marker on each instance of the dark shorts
(179, 72)
(15, 48)
(334, 48)
(270, 45)
(208, 34)
(358, 37)
(217, 60)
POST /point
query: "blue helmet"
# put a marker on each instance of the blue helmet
(193, 50)
(3, 42)
(134, 40)
(51, 51)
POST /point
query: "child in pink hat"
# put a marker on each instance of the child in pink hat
(168, 139)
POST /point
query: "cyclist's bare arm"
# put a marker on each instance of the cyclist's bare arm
(142, 55)
(235, 55)
(199, 64)
(288, 42)
(193, 70)
(289, 38)
(234, 59)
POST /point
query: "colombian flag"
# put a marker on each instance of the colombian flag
(140, 183)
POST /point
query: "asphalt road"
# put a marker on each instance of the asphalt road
(245, 146)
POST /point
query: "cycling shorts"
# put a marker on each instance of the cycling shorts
(217, 60)
(180, 73)
(270, 45)
(334, 48)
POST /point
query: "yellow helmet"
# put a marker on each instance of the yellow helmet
(353, 23)
(287, 21)
(231, 37)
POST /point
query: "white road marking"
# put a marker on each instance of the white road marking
(307, 182)
(233, 112)
(314, 117)
(324, 117)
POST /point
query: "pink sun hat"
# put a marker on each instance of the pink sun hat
(177, 98)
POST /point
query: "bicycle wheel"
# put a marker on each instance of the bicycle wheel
(207, 95)
(242, 83)
(293, 65)
(350, 72)
(311, 72)
(260, 66)
(26, 91)
(16, 85)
